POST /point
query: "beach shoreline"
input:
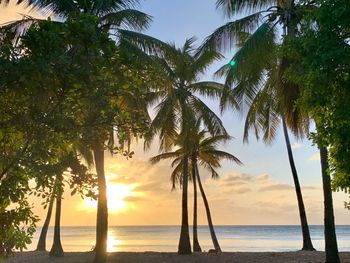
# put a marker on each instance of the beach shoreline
(159, 257)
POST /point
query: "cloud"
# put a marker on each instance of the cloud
(134, 199)
(310, 187)
(242, 190)
(263, 178)
(234, 183)
(315, 157)
(296, 146)
(276, 187)
(237, 177)
(149, 187)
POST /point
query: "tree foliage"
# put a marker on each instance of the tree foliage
(322, 50)
(62, 85)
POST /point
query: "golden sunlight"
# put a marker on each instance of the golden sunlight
(116, 193)
(112, 242)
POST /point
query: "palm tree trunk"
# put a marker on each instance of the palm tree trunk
(184, 242)
(207, 209)
(331, 246)
(42, 239)
(196, 246)
(102, 210)
(56, 249)
(307, 243)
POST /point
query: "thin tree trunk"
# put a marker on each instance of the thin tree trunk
(102, 210)
(196, 246)
(207, 209)
(307, 243)
(42, 239)
(331, 246)
(184, 242)
(56, 249)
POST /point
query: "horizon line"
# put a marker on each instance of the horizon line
(197, 225)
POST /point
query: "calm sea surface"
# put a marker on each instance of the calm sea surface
(165, 238)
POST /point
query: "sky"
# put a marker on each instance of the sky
(260, 192)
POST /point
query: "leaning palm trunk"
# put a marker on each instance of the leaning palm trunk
(184, 242)
(196, 246)
(57, 250)
(42, 239)
(331, 246)
(210, 222)
(102, 210)
(307, 243)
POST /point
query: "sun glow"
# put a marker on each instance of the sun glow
(112, 243)
(116, 194)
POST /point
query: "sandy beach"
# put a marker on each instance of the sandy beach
(155, 257)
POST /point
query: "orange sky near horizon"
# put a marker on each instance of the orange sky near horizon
(235, 199)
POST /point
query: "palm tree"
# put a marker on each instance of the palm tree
(198, 149)
(42, 238)
(179, 107)
(204, 152)
(196, 246)
(56, 249)
(257, 70)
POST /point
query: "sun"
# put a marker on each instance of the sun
(116, 194)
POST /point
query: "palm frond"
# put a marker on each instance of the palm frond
(61, 8)
(264, 111)
(20, 27)
(208, 89)
(226, 37)
(211, 121)
(263, 116)
(203, 59)
(176, 175)
(165, 156)
(228, 99)
(148, 44)
(214, 141)
(166, 122)
(233, 7)
(224, 155)
(288, 94)
(214, 173)
(253, 57)
(188, 48)
(127, 18)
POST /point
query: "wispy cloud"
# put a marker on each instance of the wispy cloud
(315, 157)
(276, 187)
(297, 146)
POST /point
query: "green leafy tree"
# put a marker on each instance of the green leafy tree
(322, 51)
(256, 73)
(27, 138)
(91, 93)
(91, 22)
(179, 106)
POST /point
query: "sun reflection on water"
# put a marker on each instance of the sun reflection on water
(112, 242)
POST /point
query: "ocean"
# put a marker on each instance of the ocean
(165, 238)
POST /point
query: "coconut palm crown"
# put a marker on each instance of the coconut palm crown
(179, 98)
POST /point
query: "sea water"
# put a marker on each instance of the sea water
(165, 238)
